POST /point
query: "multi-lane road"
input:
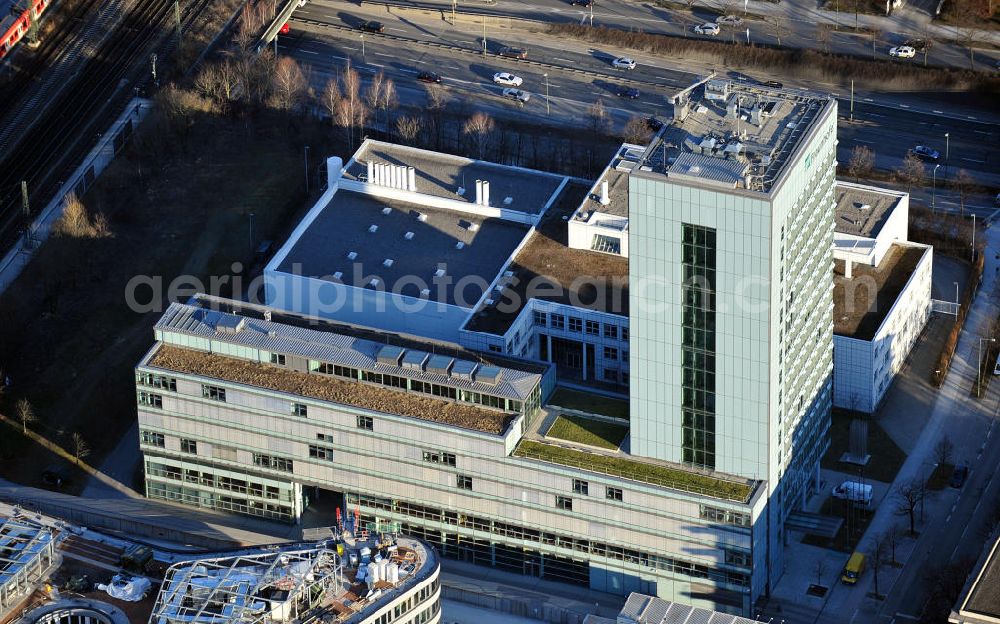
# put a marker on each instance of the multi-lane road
(566, 77)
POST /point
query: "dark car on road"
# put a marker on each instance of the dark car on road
(429, 77)
(774, 84)
(583, 3)
(372, 27)
(919, 45)
(627, 92)
(513, 53)
(926, 153)
(959, 476)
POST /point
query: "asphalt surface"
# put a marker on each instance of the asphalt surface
(575, 75)
(796, 24)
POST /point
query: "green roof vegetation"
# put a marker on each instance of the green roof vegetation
(626, 468)
(587, 431)
(588, 402)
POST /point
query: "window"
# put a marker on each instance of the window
(496, 348)
(321, 452)
(366, 423)
(613, 493)
(322, 367)
(737, 558)
(189, 446)
(157, 381)
(564, 502)
(575, 324)
(715, 514)
(580, 486)
(464, 483)
(214, 392)
(698, 253)
(274, 463)
(299, 409)
(539, 318)
(611, 331)
(610, 353)
(558, 321)
(625, 356)
(152, 438)
(278, 358)
(625, 334)
(325, 437)
(435, 457)
(593, 328)
(150, 400)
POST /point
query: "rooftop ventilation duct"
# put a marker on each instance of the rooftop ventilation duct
(421, 217)
(486, 192)
(351, 255)
(508, 200)
(479, 192)
(371, 171)
(605, 199)
(439, 272)
(387, 210)
(459, 245)
(411, 179)
(373, 228)
(387, 262)
(338, 275)
(473, 227)
(408, 236)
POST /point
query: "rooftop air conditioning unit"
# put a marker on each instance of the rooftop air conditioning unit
(421, 217)
(473, 227)
(459, 245)
(338, 274)
(351, 255)
(508, 200)
(387, 210)
(373, 228)
(387, 262)
(461, 191)
(426, 292)
(374, 282)
(439, 273)
(408, 236)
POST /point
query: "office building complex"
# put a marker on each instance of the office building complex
(440, 332)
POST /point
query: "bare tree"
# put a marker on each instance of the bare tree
(246, 31)
(408, 128)
(927, 38)
(329, 99)
(599, 118)
(824, 35)
(636, 130)
(25, 414)
(876, 557)
(388, 102)
(80, 447)
(943, 450)
(820, 569)
(481, 128)
(912, 171)
(437, 97)
(777, 23)
(289, 84)
(876, 34)
(963, 183)
(352, 111)
(373, 96)
(892, 540)
(908, 495)
(862, 162)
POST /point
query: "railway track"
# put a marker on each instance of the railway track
(64, 132)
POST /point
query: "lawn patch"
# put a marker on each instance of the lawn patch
(625, 468)
(588, 402)
(587, 431)
(886, 457)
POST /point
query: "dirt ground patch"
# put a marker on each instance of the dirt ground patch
(177, 202)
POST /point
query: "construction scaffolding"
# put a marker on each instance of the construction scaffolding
(276, 586)
(27, 552)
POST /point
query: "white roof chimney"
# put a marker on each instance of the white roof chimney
(479, 192)
(486, 192)
(605, 200)
(371, 170)
(411, 178)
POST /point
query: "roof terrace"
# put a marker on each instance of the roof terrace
(547, 268)
(733, 136)
(444, 175)
(861, 302)
(862, 212)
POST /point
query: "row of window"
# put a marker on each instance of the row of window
(221, 482)
(436, 457)
(209, 500)
(589, 327)
(522, 533)
(273, 462)
(157, 381)
(320, 452)
(583, 488)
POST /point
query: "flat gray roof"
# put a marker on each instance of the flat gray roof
(643, 609)
(616, 176)
(984, 596)
(862, 212)
(344, 227)
(723, 131)
(442, 175)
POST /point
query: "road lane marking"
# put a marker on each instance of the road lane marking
(869, 100)
(407, 70)
(563, 60)
(982, 132)
(308, 51)
(398, 29)
(384, 54)
(948, 519)
(974, 160)
(904, 105)
(939, 112)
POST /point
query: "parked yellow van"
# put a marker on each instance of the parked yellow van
(855, 566)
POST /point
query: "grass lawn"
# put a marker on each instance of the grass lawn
(177, 203)
(855, 522)
(587, 402)
(635, 470)
(886, 457)
(941, 476)
(587, 431)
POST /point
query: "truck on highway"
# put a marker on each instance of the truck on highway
(855, 492)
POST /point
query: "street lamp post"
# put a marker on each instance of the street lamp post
(484, 34)
(947, 152)
(547, 109)
(362, 45)
(973, 238)
(307, 167)
(979, 371)
(934, 188)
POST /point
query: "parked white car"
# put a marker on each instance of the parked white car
(521, 97)
(509, 80)
(623, 63)
(902, 52)
(710, 28)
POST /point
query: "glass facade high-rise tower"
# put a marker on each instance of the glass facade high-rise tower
(731, 222)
